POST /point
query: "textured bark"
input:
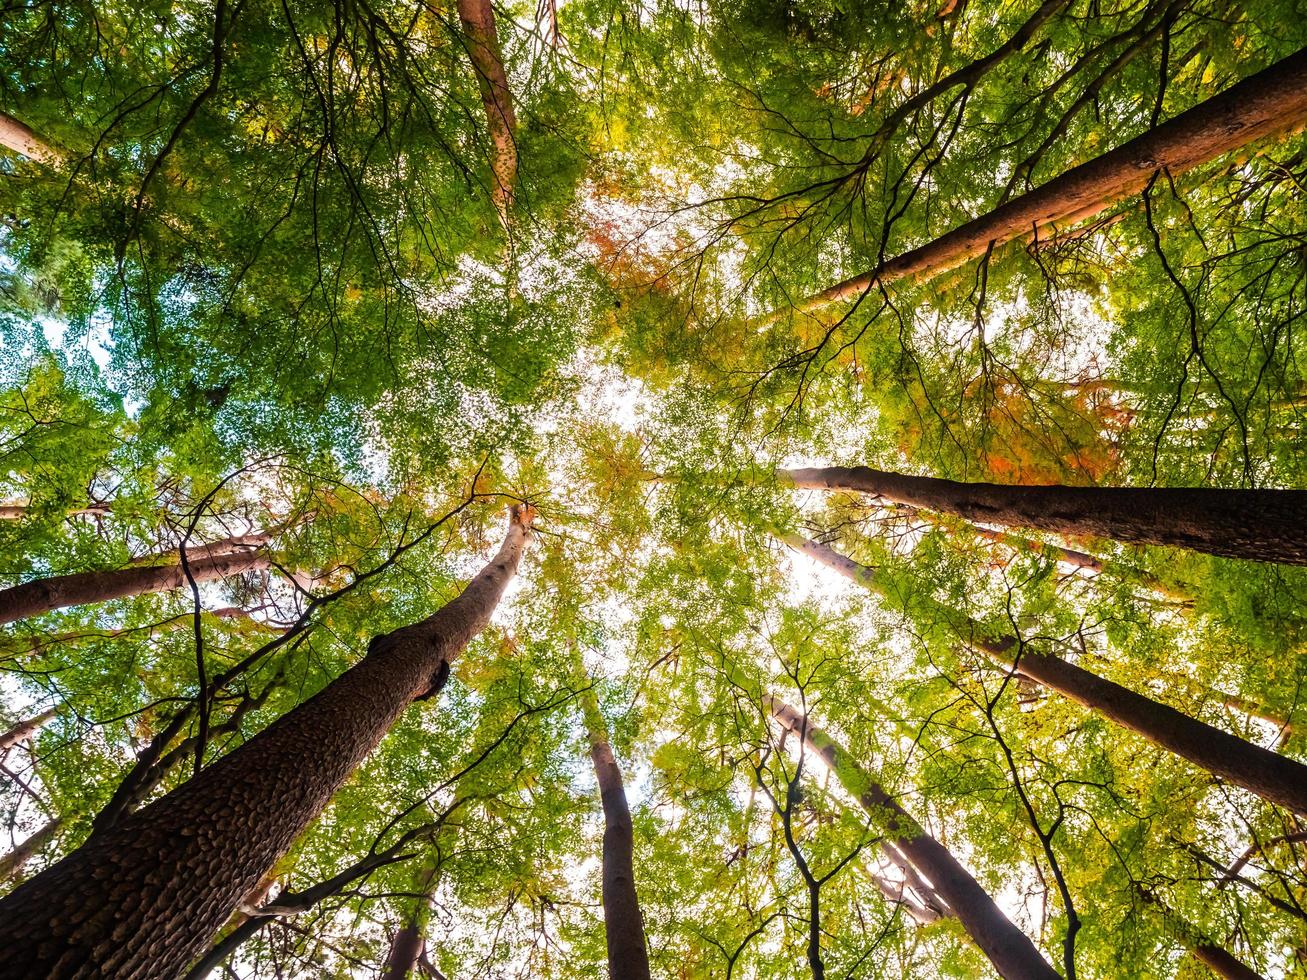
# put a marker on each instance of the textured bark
(628, 954)
(478, 20)
(46, 594)
(1272, 101)
(1242, 763)
(25, 729)
(1010, 950)
(15, 860)
(1257, 525)
(20, 138)
(143, 899)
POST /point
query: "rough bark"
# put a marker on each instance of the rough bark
(628, 955)
(1256, 525)
(478, 20)
(1242, 763)
(143, 899)
(25, 729)
(59, 591)
(1269, 102)
(20, 138)
(1010, 950)
(15, 860)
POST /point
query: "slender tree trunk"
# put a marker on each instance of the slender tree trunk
(144, 898)
(1272, 101)
(1242, 763)
(628, 954)
(17, 511)
(405, 950)
(46, 594)
(15, 860)
(478, 20)
(1256, 525)
(1223, 963)
(25, 729)
(1010, 950)
(20, 138)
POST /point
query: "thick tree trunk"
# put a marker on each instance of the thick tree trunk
(144, 898)
(1273, 777)
(1223, 963)
(628, 954)
(1010, 950)
(15, 860)
(478, 20)
(1272, 101)
(20, 138)
(25, 729)
(1256, 525)
(46, 594)
(405, 951)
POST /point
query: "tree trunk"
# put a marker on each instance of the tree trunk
(1240, 762)
(143, 899)
(17, 511)
(405, 951)
(46, 594)
(1223, 963)
(20, 138)
(1256, 525)
(1010, 950)
(24, 729)
(1273, 100)
(478, 20)
(15, 860)
(628, 955)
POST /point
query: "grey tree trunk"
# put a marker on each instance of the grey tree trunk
(1256, 525)
(143, 899)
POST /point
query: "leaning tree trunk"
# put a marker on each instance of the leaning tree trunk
(1010, 950)
(1238, 761)
(1273, 100)
(628, 954)
(15, 860)
(20, 138)
(478, 20)
(1257, 525)
(47, 594)
(144, 898)
(25, 729)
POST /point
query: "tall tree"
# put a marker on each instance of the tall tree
(1008, 948)
(1256, 525)
(1272, 776)
(144, 898)
(1273, 100)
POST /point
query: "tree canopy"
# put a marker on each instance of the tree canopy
(760, 311)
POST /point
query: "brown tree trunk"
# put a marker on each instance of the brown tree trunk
(15, 860)
(1010, 950)
(20, 138)
(1223, 963)
(1256, 525)
(628, 954)
(46, 594)
(144, 898)
(1273, 777)
(24, 729)
(405, 951)
(478, 20)
(1272, 101)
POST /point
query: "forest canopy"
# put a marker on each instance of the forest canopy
(727, 489)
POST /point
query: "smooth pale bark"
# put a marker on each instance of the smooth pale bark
(1009, 949)
(20, 138)
(16, 860)
(59, 591)
(628, 954)
(1256, 525)
(478, 20)
(17, 511)
(25, 729)
(1242, 763)
(145, 897)
(1272, 101)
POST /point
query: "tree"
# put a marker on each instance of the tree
(180, 865)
